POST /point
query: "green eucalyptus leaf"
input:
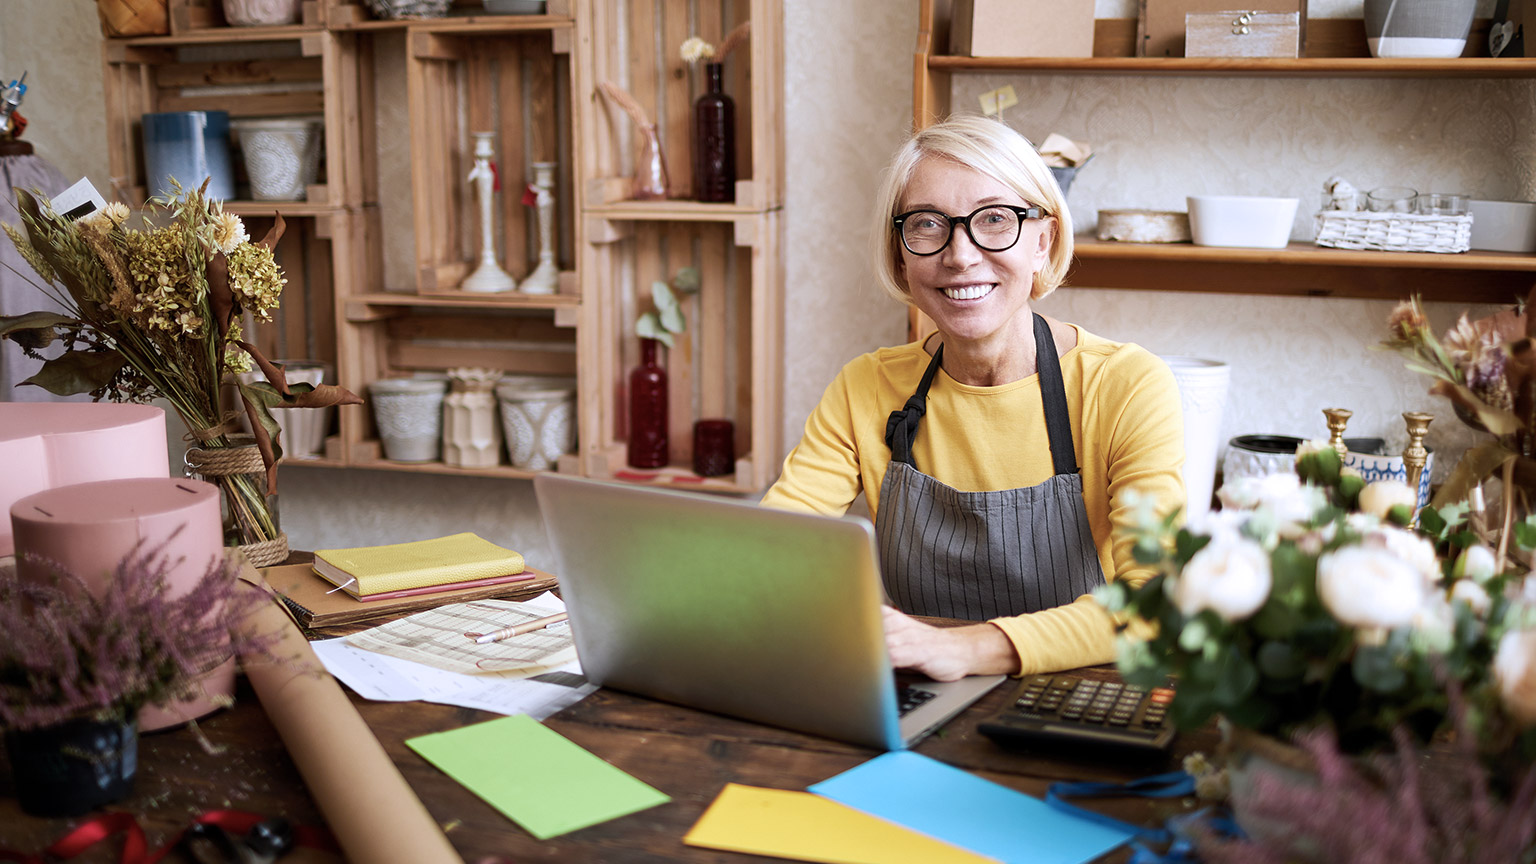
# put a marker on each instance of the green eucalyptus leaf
(1432, 522)
(672, 319)
(1375, 668)
(78, 372)
(1525, 535)
(1279, 660)
(1185, 545)
(649, 327)
(687, 280)
(1195, 634)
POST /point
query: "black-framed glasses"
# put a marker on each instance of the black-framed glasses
(994, 228)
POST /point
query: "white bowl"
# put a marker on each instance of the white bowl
(1241, 220)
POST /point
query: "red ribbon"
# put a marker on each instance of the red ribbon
(136, 849)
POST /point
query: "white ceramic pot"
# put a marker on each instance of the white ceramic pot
(1203, 396)
(409, 414)
(302, 430)
(471, 429)
(282, 156)
(1246, 221)
(538, 418)
(1373, 468)
(262, 13)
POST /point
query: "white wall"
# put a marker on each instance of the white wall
(848, 80)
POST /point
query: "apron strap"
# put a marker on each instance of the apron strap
(901, 426)
(1058, 423)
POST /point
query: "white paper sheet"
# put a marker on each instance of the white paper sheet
(391, 679)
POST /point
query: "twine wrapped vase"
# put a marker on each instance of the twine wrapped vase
(249, 514)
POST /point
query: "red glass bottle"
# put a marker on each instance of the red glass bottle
(648, 410)
(714, 141)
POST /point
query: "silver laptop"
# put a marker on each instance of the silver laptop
(729, 607)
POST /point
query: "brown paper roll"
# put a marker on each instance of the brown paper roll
(367, 804)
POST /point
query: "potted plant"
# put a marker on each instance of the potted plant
(77, 665)
(1316, 603)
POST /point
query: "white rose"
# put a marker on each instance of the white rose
(1472, 594)
(1230, 576)
(1412, 548)
(1477, 563)
(1514, 666)
(1369, 587)
(1380, 497)
(1283, 495)
(1433, 627)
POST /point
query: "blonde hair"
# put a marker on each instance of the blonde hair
(992, 148)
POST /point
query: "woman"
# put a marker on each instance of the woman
(996, 454)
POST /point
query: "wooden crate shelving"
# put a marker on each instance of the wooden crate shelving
(727, 364)
(510, 78)
(531, 79)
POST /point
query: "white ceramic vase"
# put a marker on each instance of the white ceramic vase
(471, 427)
(409, 414)
(1418, 28)
(282, 156)
(1203, 396)
(262, 13)
(538, 418)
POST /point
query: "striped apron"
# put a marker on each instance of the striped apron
(981, 555)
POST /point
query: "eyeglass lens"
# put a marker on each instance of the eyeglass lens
(991, 228)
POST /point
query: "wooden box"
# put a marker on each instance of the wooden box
(1242, 34)
(1165, 21)
(1022, 28)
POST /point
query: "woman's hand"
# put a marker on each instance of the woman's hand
(947, 653)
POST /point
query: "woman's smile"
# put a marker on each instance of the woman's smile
(975, 291)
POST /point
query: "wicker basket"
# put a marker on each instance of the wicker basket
(133, 17)
(1394, 232)
(409, 8)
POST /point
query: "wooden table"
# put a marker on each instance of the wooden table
(687, 754)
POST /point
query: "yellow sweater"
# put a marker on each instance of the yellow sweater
(1127, 428)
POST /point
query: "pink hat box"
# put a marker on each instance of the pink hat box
(87, 529)
(48, 444)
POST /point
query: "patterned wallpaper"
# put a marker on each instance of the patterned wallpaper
(848, 82)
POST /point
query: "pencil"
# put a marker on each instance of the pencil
(520, 629)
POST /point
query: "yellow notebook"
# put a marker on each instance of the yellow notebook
(370, 570)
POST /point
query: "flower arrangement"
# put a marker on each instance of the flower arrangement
(72, 652)
(156, 312)
(1487, 369)
(1307, 601)
(666, 319)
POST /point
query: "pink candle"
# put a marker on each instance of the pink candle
(87, 529)
(48, 444)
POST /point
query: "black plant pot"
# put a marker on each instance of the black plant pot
(74, 767)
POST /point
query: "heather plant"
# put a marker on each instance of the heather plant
(103, 652)
(1415, 805)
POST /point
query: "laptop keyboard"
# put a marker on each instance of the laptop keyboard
(909, 697)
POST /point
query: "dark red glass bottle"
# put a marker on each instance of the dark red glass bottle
(714, 141)
(648, 410)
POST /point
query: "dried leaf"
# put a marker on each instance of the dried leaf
(220, 298)
(35, 330)
(275, 233)
(1493, 420)
(1476, 465)
(78, 372)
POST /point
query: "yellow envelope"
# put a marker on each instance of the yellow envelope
(808, 827)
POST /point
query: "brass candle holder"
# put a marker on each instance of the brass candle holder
(1338, 418)
(1415, 455)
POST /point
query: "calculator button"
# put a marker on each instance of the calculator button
(1063, 684)
(1161, 696)
(1040, 681)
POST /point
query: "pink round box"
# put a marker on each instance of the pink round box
(87, 529)
(48, 444)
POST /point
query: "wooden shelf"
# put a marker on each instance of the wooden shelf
(510, 300)
(672, 211)
(1302, 270)
(1300, 67)
(1299, 270)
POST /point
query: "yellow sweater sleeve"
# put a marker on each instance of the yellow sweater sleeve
(1127, 430)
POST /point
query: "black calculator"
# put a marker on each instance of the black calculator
(1073, 709)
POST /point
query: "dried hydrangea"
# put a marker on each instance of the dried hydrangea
(255, 279)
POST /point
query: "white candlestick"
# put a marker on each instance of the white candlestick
(545, 278)
(488, 278)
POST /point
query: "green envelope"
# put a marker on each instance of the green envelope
(535, 776)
